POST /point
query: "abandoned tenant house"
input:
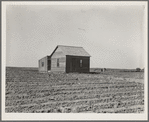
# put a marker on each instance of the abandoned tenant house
(66, 59)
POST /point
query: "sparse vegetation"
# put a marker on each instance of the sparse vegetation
(138, 69)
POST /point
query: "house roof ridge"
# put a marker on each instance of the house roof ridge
(72, 50)
(70, 46)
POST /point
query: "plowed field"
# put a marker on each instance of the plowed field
(28, 91)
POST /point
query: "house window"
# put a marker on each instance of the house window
(57, 62)
(81, 63)
(42, 64)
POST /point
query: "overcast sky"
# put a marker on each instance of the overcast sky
(112, 35)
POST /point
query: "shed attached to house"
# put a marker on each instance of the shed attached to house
(44, 64)
(66, 59)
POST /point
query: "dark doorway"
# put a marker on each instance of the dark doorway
(73, 65)
(49, 64)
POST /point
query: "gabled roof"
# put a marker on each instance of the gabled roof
(71, 50)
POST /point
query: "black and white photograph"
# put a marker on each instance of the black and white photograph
(74, 60)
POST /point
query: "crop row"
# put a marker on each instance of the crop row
(94, 108)
(28, 91)
(97, 108)
(65, 81)
(69, 110)
(85, 92)
(36, 94)
(74, 97)
(21, 88)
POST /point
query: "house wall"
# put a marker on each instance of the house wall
(77, 68)
(58, 54)
(44, 67)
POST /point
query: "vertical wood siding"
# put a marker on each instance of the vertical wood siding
(70, 67)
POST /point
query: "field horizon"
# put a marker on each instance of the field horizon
(91, 68)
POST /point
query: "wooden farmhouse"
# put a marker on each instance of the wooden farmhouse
(66, 59)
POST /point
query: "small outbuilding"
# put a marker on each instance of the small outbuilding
(66, 59)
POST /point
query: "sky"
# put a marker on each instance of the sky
(112, 35)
